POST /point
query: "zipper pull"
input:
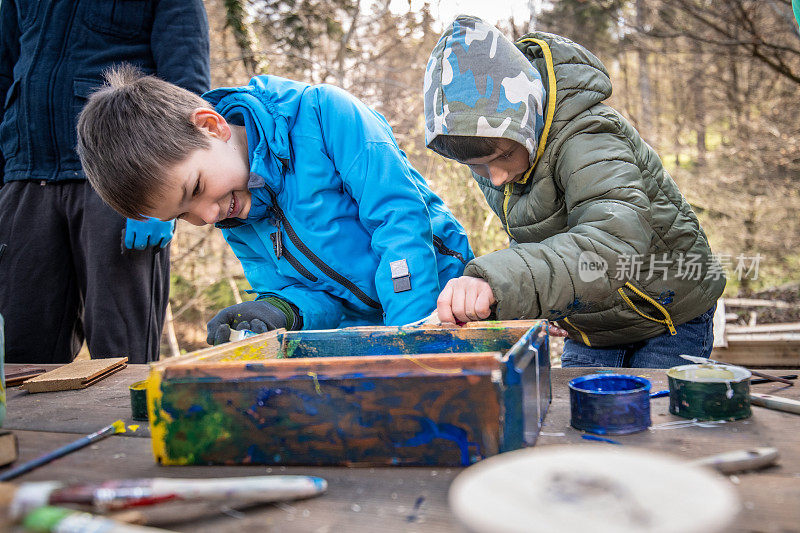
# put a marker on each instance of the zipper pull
(279, 242)
(506, 198)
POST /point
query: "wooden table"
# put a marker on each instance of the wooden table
(385, 499)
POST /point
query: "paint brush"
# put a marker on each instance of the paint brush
(739, 460)
(127, 493)
(767, 380)
(116, 427)
(775, 402)
(59, 520)
(701, 360)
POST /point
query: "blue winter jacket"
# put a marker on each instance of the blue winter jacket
(53, 54)
(340, 224)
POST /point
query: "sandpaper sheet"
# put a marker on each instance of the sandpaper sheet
(75, 375)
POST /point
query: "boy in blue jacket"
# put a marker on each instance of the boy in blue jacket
(330, 221)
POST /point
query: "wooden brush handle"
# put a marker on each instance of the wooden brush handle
(775, 402)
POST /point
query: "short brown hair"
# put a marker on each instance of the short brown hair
(463, 147)
(130, 132)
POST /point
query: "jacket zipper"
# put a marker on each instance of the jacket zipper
(281, 252)
(51, 82)
(506, 198)
(319, 263)
(667, 321)
(438, 243)
(584, 337)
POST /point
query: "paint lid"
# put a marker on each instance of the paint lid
(586, 488)
(709, 373)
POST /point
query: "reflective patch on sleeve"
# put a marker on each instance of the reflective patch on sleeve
(399, 268)
(402, 284)
(401, 277)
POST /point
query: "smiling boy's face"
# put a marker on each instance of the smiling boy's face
(209, 185)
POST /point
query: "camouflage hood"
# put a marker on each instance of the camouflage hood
(478, 83)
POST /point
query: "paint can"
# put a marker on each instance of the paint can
(139, 400)
(610, 404)
(709, 391)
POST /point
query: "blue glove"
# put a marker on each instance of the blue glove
(139, 234)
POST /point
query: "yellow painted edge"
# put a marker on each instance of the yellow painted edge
(158, 432)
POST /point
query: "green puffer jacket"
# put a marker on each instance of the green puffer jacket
(597, 195)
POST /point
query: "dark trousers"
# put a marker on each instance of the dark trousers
(65, 276)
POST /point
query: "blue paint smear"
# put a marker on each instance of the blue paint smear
(255, 455)
(431, 430)
(414, 515)
(359, 387)
(666, 297)
(390, 401)
(309, 405)
(195, 409)
(600, 439)
(428, 398)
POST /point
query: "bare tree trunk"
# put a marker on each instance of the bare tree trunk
(699, 91)
(237, 297)
(345, 42)
(172, 339)
(645, 115)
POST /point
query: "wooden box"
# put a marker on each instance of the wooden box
(367, 396)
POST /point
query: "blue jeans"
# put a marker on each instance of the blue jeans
(695, 337)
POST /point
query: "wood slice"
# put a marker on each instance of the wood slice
(588, 488)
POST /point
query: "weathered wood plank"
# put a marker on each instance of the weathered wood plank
(720, 338)
(765, 328)
(392, 499)
(263, 346)
(336, 367)
(755, 302)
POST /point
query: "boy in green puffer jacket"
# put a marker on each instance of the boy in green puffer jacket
(601, 238)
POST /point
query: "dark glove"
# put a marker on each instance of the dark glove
(258, 316)
(139, 234)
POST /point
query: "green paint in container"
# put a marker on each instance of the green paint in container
(139, 400)
(709, 391)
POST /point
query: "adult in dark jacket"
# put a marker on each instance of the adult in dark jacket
(71, 268)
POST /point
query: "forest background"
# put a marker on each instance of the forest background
(712, 85)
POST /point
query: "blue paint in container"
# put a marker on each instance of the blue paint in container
(610, 404)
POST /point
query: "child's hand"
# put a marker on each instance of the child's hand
(258, 316)
(465, 299)
(554, 330)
